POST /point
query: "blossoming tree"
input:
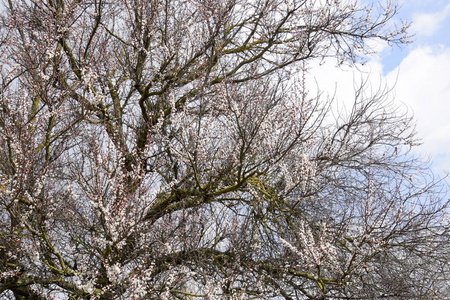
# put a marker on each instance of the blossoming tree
(169, 149)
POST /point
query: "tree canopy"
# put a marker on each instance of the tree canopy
(170, 149)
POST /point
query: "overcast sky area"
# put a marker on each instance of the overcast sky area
(419, 74)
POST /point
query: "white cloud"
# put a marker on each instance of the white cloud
(424, 84)
(426, 24)
(421, 82)
(341, 80)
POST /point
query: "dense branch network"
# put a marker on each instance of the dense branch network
(169, 149)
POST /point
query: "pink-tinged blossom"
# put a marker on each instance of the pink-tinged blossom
(172, 149)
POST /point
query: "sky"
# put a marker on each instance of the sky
(418, 73)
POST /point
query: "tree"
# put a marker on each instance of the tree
(170, 149)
